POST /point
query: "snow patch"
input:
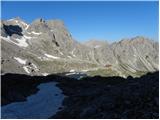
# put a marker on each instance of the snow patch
(74, 55)
(36, 33)
(29, 68)
(21, 61)
(85, 70)
(21, 42)
(51, 56)
(69, 56)
(72, 70)
(61, 53)
(42, 105)
(26, 27)
(25, 24)
(45, 74)
(16, 21)
(76, 75)
(35, 67)
(72, 73)
(26, 69)
(7, 39)
(27, 37)
(73, 52)
(43, 58)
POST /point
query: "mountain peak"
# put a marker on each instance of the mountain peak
(15, 19)
(134, 40)
(55, 23)
(39, 20)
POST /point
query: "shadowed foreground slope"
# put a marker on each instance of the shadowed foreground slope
(92, 97)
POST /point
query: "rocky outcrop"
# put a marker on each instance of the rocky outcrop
(136, 54)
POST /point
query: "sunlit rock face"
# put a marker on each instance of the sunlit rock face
(43, 41)
(137, 54)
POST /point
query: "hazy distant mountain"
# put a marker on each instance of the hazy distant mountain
(44, 47)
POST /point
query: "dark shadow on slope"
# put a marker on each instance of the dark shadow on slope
(92, 97)
(16, 87)
(13, 29)
(111, 97)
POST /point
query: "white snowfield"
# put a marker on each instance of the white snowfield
(19, 42)
(21, 61)
(51, 56)
(41, 105)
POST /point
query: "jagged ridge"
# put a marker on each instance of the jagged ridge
(48, 47)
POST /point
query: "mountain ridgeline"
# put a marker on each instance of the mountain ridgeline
(46, 46)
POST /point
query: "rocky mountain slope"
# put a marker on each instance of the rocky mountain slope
(46, 46)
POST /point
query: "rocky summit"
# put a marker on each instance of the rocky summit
(46, 46)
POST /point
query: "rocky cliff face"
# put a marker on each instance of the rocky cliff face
(136, 54)
(44, 47)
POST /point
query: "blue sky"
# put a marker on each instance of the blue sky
(109, 21)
